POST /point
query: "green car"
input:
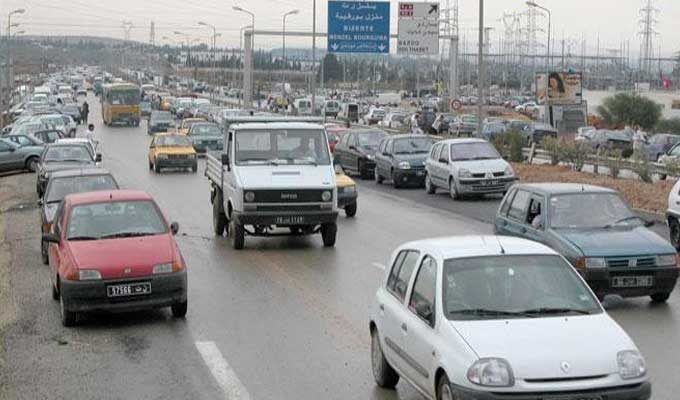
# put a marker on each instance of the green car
(593, 228)
(206, 136)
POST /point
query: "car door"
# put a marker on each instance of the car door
(393, 308)
(386, 155)
(431, 162)
(514, 223)
(536, 218)
(420, 335)
(152, 150)
(6, 155)
(353, 152)
(443, 166)
(54, 249)
(341, 150)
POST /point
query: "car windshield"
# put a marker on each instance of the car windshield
(370, 139)
(205, 130)
(115, 220)
(173, 141)
(412, 145)
(501, 287)
(473, 151)
(60, 187)
(68, 153)
(71, 110)
(124, 97)
(282, 147)
(162, 116)
(590, 210)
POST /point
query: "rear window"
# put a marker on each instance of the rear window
(61, 187)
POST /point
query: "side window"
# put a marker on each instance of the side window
(229, 141)
(383, 145)
(58, 217)
(23, 141)
(4, 147)
(344, 140)
(422, 301)
(388, 147)
(535, 213)
(443, 154)
(519, 205)
(434, 153)
(402, 275)
(506, 204)
(394, 272)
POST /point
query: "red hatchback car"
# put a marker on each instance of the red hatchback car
(114, 250)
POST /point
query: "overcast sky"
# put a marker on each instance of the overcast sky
(614, 20)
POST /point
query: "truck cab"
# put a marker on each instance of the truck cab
(275, 177)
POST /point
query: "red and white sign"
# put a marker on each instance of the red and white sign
(456, 104)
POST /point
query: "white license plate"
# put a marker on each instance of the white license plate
(489, 183)
(129, 289)
(632, 281)
(291, 220)
(420, 173)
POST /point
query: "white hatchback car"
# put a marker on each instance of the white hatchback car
(495, 317)
(467, 167)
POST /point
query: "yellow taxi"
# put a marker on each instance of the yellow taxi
(166, 103)
(172, 150)
(347, 192)
(186, 124)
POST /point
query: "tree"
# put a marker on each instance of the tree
(630, 109)
(332, 69)
(671, 125)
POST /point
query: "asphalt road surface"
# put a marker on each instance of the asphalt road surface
(285, 318)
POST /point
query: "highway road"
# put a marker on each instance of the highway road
(285, 318)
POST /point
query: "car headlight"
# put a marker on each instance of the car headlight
(249, 197)
(631, 364)
(89, 275)
(370, 156)
(464, 173)
(666, 260)
(595, 262)
(509, 171)
(162, 156)
(350, 189)
(494, 372)
(164, 268)
(404, 165)
(326, 196)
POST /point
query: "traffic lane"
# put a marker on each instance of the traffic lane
(139, 356)
(482, 208)
(284, 308)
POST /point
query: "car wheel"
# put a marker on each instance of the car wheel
(453, 192)
(430, 188)
(360, 169)
(444, 391)
(376, 175)
(32, 164)
(150, 166)
(351, 210)
(194, 168)
(157, 168)
(395, 181)
(674, 227)
(179, 310)
(328, 234)
(660, 297)
(238, 235)
(55, 293)
(219, 218)
(383, 373)
(43, 253)
(68, 318)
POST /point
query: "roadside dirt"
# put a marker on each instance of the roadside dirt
(650, 197)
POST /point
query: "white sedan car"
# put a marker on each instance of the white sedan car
(494, 317)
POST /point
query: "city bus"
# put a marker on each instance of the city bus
(120, 104)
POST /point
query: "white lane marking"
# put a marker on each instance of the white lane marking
(224, 375)
(379, 266)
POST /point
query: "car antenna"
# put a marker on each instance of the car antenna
(500, 245)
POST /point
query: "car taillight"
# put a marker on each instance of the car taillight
(178, 265)
(73, 275)
(580, 263)
(47, 226)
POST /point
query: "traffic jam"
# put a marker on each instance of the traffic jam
(356, 244)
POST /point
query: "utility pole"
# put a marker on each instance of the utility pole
(313, 57)
(648, 22)
(480, 70)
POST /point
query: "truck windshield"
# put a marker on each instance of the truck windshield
(281, 147)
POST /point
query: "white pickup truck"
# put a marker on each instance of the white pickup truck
(275, 177)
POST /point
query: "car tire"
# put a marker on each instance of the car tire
(430, 188)
(328, 234)
(68, 318)
(351, 210)
(219, 218)
(179, 310)
(376, 175)
(453, 192)
(55, 293)
(150, 166)
(361, 170)
(444, 390)
(660, 297)
(674, 228)
(32, 164)
(43, 253)
(385, 376)
(237, 234)
(395, 181)
(194, 168)
(157, 168)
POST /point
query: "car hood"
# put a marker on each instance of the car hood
(482, 166)
(416, 160)
(343, 180)
(111, 257)
(536, 348)
(286, 177)
(617, 241)
(62, 165)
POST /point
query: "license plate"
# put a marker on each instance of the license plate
(290, 220)
(128, 289)
(632, 281)
(489, 183)
(420, 173)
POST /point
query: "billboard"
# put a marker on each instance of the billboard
(418, 28)
(559, 88)
(358, 26)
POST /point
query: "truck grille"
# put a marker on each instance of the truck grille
(288, 196)
(631, 262)
(275, 208)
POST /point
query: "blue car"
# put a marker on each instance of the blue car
(593, 228)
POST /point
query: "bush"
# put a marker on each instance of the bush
(575, 153)
(630, 109)
(510, 146)
(613, 162)
(552, 146)
(671, 125)
(643, 169)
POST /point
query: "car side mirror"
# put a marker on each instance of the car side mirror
(649, 223)
(352, 147)
(50, 238)
(174, 228)
(40, 202)
(443, 160)
(225, 159)
(98, 157)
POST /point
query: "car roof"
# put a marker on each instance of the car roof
(169, 134)
(463, 141)
(408, 136)
(276, 125)
(478, 245)
(79, 172)
(105, 196)
(564, 188)
(73, 140)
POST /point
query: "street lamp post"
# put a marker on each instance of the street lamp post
(8, 64)
(240, 51)
(285, 61)
(186, 38)
(480, 71)
(250, 67)
(531, 3)
(214, 38)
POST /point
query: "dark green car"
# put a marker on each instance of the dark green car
(610, 246)
(206, 136)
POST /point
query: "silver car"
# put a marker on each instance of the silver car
(16, 157)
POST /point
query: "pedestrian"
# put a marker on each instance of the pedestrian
(639, 142)
(89, 133)
(84, 111)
